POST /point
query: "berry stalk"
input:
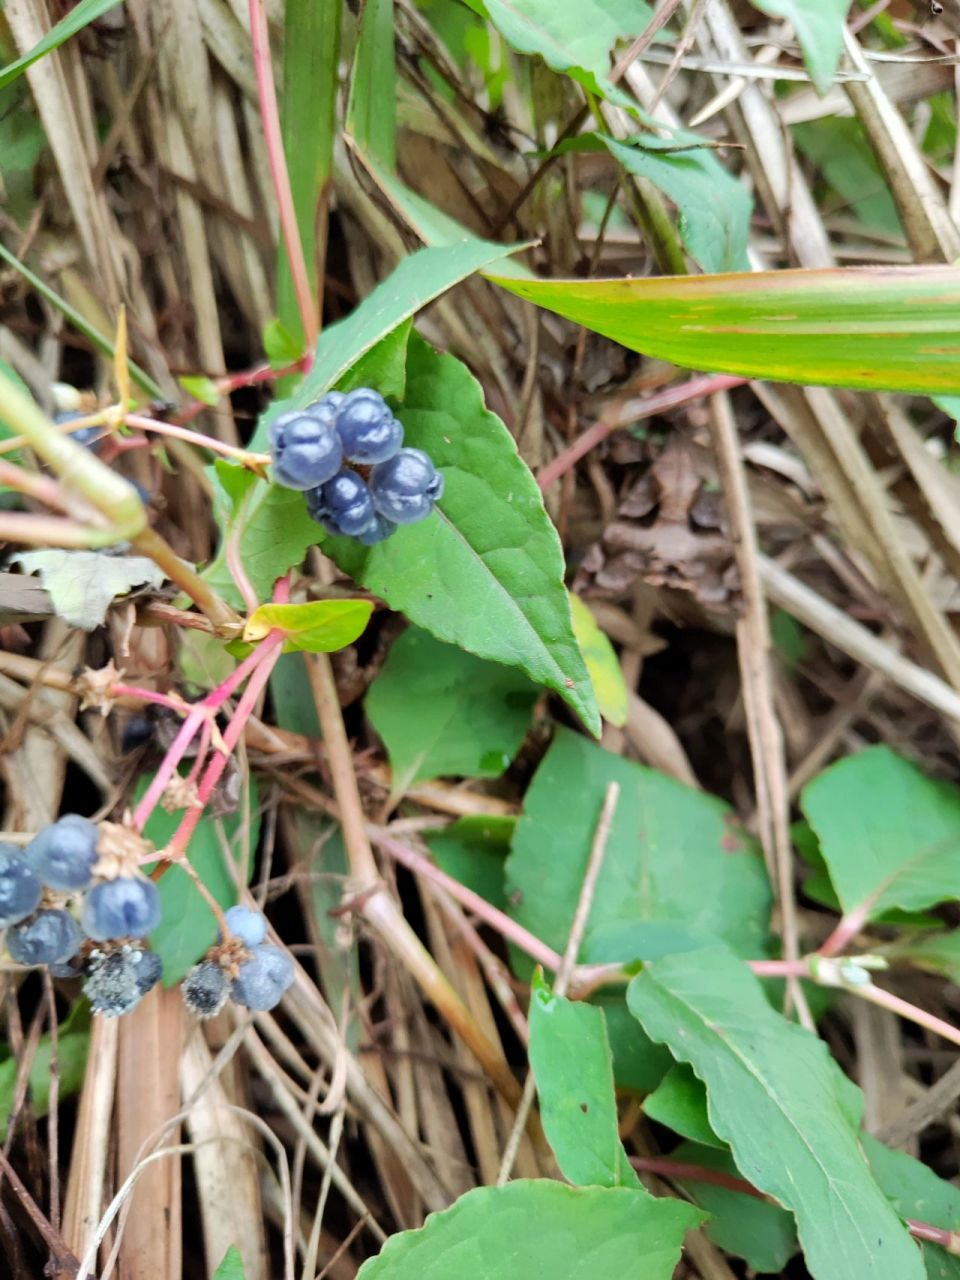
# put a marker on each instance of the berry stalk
(199, 713)
(267, 652)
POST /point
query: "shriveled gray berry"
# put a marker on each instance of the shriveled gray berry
(205, 989)
(111, 984)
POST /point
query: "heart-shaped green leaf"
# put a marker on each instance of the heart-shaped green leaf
(318, 626)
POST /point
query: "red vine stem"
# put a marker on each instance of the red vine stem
(199, 712)
(489, 914)
(149, 695)
(268, 652)
(236, 381)
(273, 137)
(660, 402)
(178, 432)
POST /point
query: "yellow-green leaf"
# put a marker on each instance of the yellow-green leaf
(319, 626)
(602, 664)
(881, 328)
(202, 389)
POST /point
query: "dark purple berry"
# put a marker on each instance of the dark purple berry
(368, 430)
(306, 449)
(405, 487)
(343, 505)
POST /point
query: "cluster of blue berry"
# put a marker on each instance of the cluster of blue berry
(37, 887)
(311, 446)
(253, 973)
(59, 870)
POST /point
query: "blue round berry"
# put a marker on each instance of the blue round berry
(325, 409)
(20, 887)
(128, 907)
(51, 937)
(249, 926)
(262, 980)
(367, 429)
(63, 854)
(405, 487)
(378, 530)
(343, 505)
(306, 449)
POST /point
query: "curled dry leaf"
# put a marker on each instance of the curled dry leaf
(669, 532)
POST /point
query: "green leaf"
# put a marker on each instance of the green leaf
(744, 1225)
(430, 224)
(713, 206)
(918, 1193)
(188, 928)
(384, 366)
(574, 39)
(202, 389)
(443, 712)
(281, 347)
(293, 697)
(675, 873)
(638, 1064)
(539, 1228)
(840, 150)
(73, 1043)
(936, 952)
(782, 1104)
(485, 570)
(419, 278)
(819, 29)
(680, 1102)
(570, 1060)
(311, 55)
(877, 328)
(473, 851)
(80, 16)
(276, 530)
(231, 1268)
(83, 584)
(889, 835)
(22, 140)
(372, 107)
(202, 659)
(319, 626)
(600, 656)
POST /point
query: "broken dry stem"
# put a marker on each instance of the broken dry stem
(378, 908)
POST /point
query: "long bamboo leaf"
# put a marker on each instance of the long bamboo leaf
(311, 48)
(80, 16)
(883, 328)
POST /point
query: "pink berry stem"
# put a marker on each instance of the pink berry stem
(268, 652)
(202, 749)
(200, 712)
(194, 437)
(149, 695)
